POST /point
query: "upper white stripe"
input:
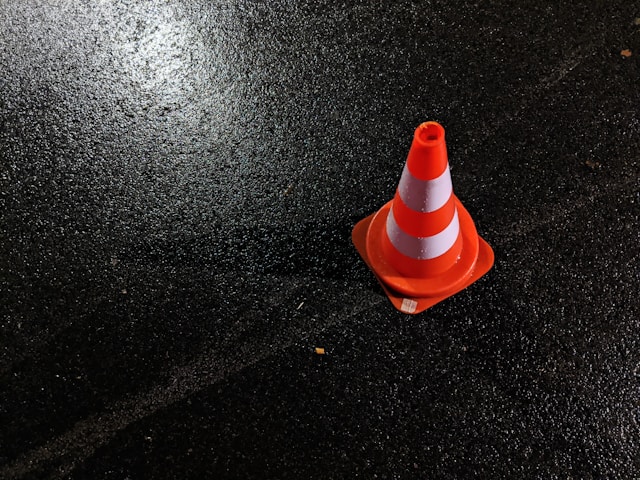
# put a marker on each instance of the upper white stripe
(423, 248)
(425, 195)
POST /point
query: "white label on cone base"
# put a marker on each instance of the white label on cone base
(425, 195)
(408, 305)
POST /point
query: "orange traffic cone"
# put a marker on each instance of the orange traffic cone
(423, 245)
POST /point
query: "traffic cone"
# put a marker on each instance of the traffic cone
(422, 245)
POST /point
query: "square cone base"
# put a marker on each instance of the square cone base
(417, 305)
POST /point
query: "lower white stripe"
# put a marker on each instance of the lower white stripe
(425, 195)
(423, 248)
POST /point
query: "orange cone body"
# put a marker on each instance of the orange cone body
(423, 245)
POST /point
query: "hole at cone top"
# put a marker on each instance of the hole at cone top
(430, 132)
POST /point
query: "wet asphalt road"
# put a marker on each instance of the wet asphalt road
(178, 185)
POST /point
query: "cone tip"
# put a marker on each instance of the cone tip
(430, 133)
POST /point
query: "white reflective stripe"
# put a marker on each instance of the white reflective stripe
(422, 248)
(425, 195)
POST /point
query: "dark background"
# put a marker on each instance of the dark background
(179, 181)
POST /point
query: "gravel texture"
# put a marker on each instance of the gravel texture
(178, 185)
